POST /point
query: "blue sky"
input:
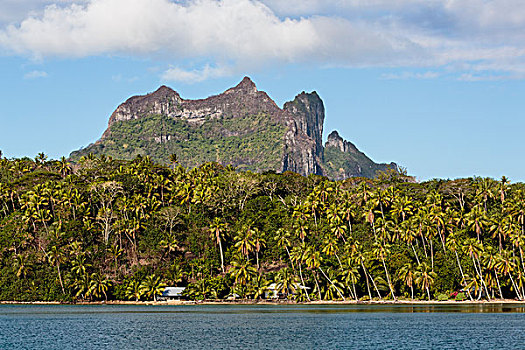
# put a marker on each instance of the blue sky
(437, 86)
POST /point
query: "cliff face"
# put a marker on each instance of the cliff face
(241, 126)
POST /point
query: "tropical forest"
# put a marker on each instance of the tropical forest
(103, 229)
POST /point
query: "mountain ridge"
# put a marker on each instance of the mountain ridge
(241, 126)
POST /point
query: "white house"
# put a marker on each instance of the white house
(173, 292)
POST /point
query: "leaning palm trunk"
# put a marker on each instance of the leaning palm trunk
(415, 253)
(367, 283)
(60, 279)
(515, 287)
(302, 280)
(375, 286)
(317, 285)
(478, 271)
(499, 286)
(431, 254)
(462, 276)
(388, 279)
(290, 258)
(329, 280)
(222, 257)
(442, 237)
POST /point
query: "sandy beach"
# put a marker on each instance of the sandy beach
(266, 302)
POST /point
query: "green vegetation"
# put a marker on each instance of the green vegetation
(249, 143)
(108, 229)
(337, 164)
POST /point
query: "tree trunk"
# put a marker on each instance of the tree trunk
(462, 275)
(222, 257)
(431, 254)
(302, 280)
(414, 250)
(367, 283)
(318, 289)
(499, 287)
(329, 280)
(60, 279)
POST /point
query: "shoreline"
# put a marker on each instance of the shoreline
(275, 303)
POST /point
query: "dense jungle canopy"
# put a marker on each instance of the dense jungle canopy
(106, 229)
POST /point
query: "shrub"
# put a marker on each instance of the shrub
(460, 296)
(442, 297)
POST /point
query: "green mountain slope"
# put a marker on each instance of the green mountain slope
(242, 126)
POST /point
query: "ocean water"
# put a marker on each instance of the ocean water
(262, 327)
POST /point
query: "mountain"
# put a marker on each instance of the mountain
(241, 126)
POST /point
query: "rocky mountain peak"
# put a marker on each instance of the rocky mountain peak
(308, 109)
(335, 140)
(245, 86)
(241, 126)
(164, 90)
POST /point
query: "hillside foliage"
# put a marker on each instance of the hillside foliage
(107, 229)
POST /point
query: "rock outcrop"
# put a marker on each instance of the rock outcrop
(344, 160)
(241, 126)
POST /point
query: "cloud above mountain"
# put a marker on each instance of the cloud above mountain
(471, 38)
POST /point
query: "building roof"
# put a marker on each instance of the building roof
(173, 291)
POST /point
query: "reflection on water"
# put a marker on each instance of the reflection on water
(440, 326)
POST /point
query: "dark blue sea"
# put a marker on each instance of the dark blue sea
(263, 327)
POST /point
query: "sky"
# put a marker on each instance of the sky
(436, 86)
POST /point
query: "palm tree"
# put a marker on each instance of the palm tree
(382, 251)
(259, 286)
(286, 282)
(99, 285)
(22, 266)
(474, 249)
(259, 242)
(133, 290)
(244, 241)
(40, 159)
(152, 286)
(217, 229)
(406, 275)
(282, 237)
(169, 244)
(453, 245)
(64, 167)
(56, 258)
(242, 271)
(424, 277)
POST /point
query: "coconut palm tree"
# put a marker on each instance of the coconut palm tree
(133, 290)
(406, 275)
(381, 251)
(98, 286)
(56, 257)
(217, 230)
(152, 286)
(245, 243)
(424, 277)
(286, 281)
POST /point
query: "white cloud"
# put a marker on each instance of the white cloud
(35, 74)
(195, 75)
(410, 75)
(234, 35)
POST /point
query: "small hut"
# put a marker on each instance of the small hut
(171, 293)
